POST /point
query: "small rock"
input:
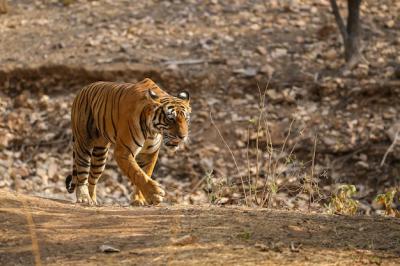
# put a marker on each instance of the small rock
(184, 240)
(261, 50)
(390, 24)
(331, 54)
(294, 247)
(20, 172)
(108, 249)
(5, 138)
(279, 52)
(362, 164)
(261, 247)
(21, 100)
(52, 168)
(44, 102)
(255, 27)
(247, 72)
(222, 200)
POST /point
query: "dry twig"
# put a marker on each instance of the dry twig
(391, 147)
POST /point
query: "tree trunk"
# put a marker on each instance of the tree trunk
(352, 44)
(351, 32)
(3, 6)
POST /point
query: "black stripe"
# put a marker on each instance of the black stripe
(143, 124)
(144, 164)
(165, 99)
(81, 97)
(92, 94)
(112, 116)
(95, 100)
(96, 173)
(101, 159)
(97, 165)
(82, 162)
(161, 124)
(133, 137)
(81, 159)
(87, 106)
(155, 144)
(104, 114)
(89, 124)
(100, 154)
(119, 100)
(83, 165)
(80, 149)
(82, 173)
(99, 111)
(129, 149)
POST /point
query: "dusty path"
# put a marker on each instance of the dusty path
(47, 232)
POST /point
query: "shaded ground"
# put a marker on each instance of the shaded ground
(62, 233)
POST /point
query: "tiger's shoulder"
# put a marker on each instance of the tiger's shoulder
(147, 84)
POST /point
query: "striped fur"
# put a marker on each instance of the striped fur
(136, 119)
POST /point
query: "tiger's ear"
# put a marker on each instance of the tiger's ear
(184, 95)
(152, 95)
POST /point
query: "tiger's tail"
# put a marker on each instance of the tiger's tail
(69, 184)
(69, 180)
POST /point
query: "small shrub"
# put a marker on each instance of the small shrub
(342, 202)
(387, 200)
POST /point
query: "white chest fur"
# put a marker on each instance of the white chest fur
(152, 144)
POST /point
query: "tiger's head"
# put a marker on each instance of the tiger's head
(172, 118)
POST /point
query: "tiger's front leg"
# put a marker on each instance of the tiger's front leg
(150, 189)
(147, 162)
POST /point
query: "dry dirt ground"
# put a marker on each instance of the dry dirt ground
(53, 232)
(220, 51)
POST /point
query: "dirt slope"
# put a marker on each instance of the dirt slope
(49, 232)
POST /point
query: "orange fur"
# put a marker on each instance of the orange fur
(136, 118)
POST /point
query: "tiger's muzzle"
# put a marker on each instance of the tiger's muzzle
(173, 142)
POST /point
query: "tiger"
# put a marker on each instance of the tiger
(136, 119)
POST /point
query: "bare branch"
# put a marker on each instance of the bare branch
(391, 147)
(339, 20)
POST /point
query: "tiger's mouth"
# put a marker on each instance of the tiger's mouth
(171, 142)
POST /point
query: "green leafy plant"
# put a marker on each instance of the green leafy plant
(342, 201)
(387, 200)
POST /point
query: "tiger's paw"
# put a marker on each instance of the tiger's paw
(152, 192)
(82, 195)
(92, 194)
(138, 198)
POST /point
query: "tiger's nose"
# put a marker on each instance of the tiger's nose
(181, 136)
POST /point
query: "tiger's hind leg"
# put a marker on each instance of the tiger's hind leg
(97, 165)
(82, 154)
